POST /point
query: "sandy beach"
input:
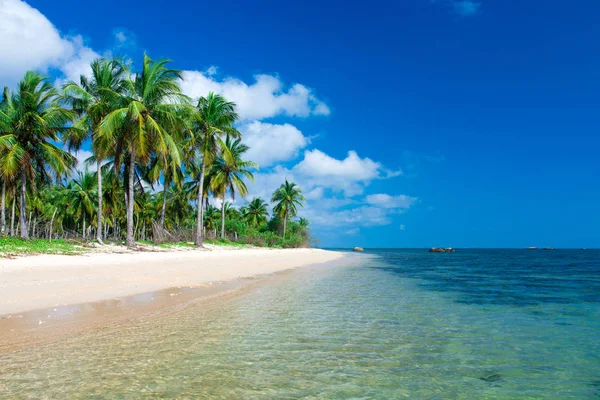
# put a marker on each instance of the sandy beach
(45, 281)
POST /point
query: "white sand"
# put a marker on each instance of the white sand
(45, 281)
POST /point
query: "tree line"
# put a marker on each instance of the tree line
(158, 157)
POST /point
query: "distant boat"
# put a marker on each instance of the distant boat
(548, 248)
(532, 248)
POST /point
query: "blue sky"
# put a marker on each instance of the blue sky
(413, 123)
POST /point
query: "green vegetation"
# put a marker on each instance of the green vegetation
(143, 132)
(13, 245)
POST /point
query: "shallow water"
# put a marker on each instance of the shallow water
(500, 324)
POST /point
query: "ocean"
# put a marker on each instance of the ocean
(390, 324)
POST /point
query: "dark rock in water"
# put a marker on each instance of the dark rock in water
(359, 249)
(441, 250)
(491, 378)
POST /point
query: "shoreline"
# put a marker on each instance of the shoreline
(44, 282)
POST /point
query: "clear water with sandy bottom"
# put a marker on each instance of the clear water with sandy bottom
(499, 324)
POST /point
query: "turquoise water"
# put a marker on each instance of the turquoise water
(497, 324)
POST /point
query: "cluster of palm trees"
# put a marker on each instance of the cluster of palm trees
(144, 133)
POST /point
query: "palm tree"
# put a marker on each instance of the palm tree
(211, 218)
(288, 197)
(147, 121)
(3, 205)
(79, 197)
(256, 212)
(171, 173)
(93, 99)
(215, 118)
(30, 121)
(229, 171)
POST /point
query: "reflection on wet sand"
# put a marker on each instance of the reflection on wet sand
(47, 325)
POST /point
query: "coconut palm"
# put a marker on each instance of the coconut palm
(80, 197)
(214, 119)
(93, 99)
(146, 123)
(172, 174)
(211, 218)
(256, 212)
(288, 197)
(5, 188)
(30, 123)
(229, 173)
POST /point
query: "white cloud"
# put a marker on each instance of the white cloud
(315, 193)
(79, 64)
(82, 166)
(265, 98)
(318, 164)
(271, 143)
(354, 217)
(265, 183)
(402, 227)
(350, 174)
(31, 42)
(324, 207)
(386, 201)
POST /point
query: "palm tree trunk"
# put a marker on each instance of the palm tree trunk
(3, 206)
(23, 211)
(223, 218)
(12, 216)
(84, 225)
(284, 224)
(130, 240)
(52, 222)
(164, 207)
(99, 231)
(199, 217)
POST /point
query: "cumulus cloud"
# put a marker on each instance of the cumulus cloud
(266, 97)
(332, 188)
(318, 164)
(272, 143)
(386, 201)
(31, 42)
(350, 174)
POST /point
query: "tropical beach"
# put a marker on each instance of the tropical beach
(299, 200)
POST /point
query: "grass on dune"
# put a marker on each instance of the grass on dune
(225, 242)
(12, 245)
(16, 246)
